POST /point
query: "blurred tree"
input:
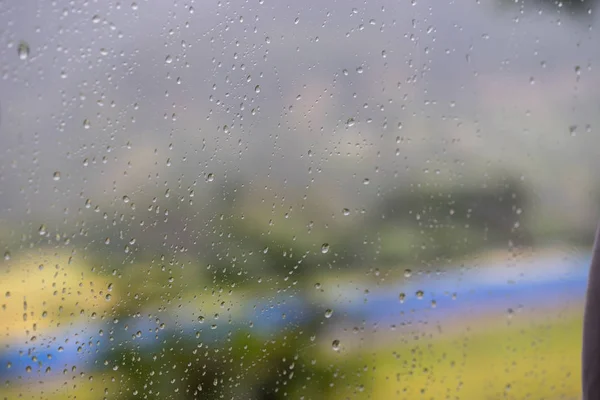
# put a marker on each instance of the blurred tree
(429, 222)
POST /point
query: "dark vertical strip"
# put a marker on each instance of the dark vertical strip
(590, 357)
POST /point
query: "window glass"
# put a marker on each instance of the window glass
(295, 199)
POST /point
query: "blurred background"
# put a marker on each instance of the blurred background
(296, 200)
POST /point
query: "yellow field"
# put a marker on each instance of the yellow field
(535, 356)
(540, 361)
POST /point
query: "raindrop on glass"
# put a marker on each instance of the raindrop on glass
(23, 50)
(335, 345)
(573, 130)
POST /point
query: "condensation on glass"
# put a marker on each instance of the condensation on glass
(295, 200)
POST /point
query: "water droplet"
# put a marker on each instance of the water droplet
(257, 88)
(168, 59)
(56, 176)
(23, 50)
(350, 122)
(96, 19)
(407, 273)
(325, 248)
(573, 130)
(126, 199)
(401, 297)
(210, 177)
(86, 124)
(42, 230)
(366, 181)
(335, 345)
(346, 211)
(328, 313)
(419, 294)
(7, 255)
(359, 70)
